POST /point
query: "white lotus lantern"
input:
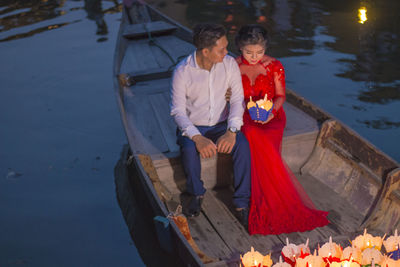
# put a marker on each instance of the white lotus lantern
(252, 258)
(370, 256)
(330, 251)
(352, 253)
(311, 261)
(281, 263)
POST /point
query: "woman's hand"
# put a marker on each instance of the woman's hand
(228, 94)
(270, 117)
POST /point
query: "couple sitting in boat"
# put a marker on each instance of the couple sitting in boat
(267, 196)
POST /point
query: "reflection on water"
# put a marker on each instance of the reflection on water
(22, 14)
(342, 55)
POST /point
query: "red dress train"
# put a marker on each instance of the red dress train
(278, 202)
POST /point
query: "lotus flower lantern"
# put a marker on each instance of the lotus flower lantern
(281, 263)
(352, 253)
(330, 251)
(267, 261)
(252, 258)
(371, 256)
(392, 246)
(389, 262)
(366, 240)
(311, 261)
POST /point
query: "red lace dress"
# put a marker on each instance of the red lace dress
(278, 202)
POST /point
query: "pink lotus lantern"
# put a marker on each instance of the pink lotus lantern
(311, 261)
(330, 251)
(371, 256)
(392, 246)
(367, 241)
(252, 258)
(281, 263)
(352, 253)
(292, 252)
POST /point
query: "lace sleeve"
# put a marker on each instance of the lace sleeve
(280, 86)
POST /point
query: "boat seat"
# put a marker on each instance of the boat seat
(155, 28)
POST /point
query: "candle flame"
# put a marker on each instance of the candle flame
(362, 15)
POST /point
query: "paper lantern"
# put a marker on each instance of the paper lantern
(392, 243)
(344, 263)
(267, 261)
(252, 258)
(367, 241)
(311, 261)
(330, 251)
(371, 255)
(290, 252)
(352, 253)
(388, 262)
(281, 263)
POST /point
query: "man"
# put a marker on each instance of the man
(207, 124)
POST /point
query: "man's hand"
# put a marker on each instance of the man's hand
(228, 94)
(205, 146)
(226, 142)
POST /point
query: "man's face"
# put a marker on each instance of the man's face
(218, 51)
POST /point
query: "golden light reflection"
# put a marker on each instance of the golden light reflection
(362, 15)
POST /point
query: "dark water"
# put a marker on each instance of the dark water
(61, 134)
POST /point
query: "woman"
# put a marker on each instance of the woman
(278, 202)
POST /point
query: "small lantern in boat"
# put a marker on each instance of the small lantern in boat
(330, 251)
(260, 109)
(252, 258)
(367, 241)
(345, 263)
(388, 262)
(352, 253)
(311, 261)
(291, 252)
(281, 263)
(392, 246)
(371, 256)
(267, 261)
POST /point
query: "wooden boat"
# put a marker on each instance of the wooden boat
(341, 171)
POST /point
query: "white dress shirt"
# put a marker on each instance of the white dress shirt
(198, 95)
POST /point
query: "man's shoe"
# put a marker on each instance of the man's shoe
(244, 217)
(194, 206)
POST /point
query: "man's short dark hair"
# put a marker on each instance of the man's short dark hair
(205, 35)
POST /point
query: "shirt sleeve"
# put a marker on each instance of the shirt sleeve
(178, 104)
(236, 102)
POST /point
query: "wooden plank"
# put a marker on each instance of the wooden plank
(143, 124)
(232, 232)
(150, 74)
(342, 215)
(135, 31)
(176, 47)
(138, 57)
(166, 122)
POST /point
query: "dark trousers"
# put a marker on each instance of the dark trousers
(241, 163)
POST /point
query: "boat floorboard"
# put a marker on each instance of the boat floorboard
(220, 235)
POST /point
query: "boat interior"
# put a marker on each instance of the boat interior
(341, 172)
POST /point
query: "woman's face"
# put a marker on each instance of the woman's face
(253, 53)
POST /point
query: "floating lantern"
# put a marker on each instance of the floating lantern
(371, 256)
(281, 263)
(392, 245)
(290, 252)
(388, 262)
(252, 258)
(330, 251)
(311, 261)
(367, 241)
(345, 263)
(267, 261)
(352, 253)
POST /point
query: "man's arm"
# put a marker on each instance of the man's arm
(178, 105)
(204, 146)
(235, 118)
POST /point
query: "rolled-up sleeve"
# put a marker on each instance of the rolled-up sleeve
(237, 105)
(178, 104)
